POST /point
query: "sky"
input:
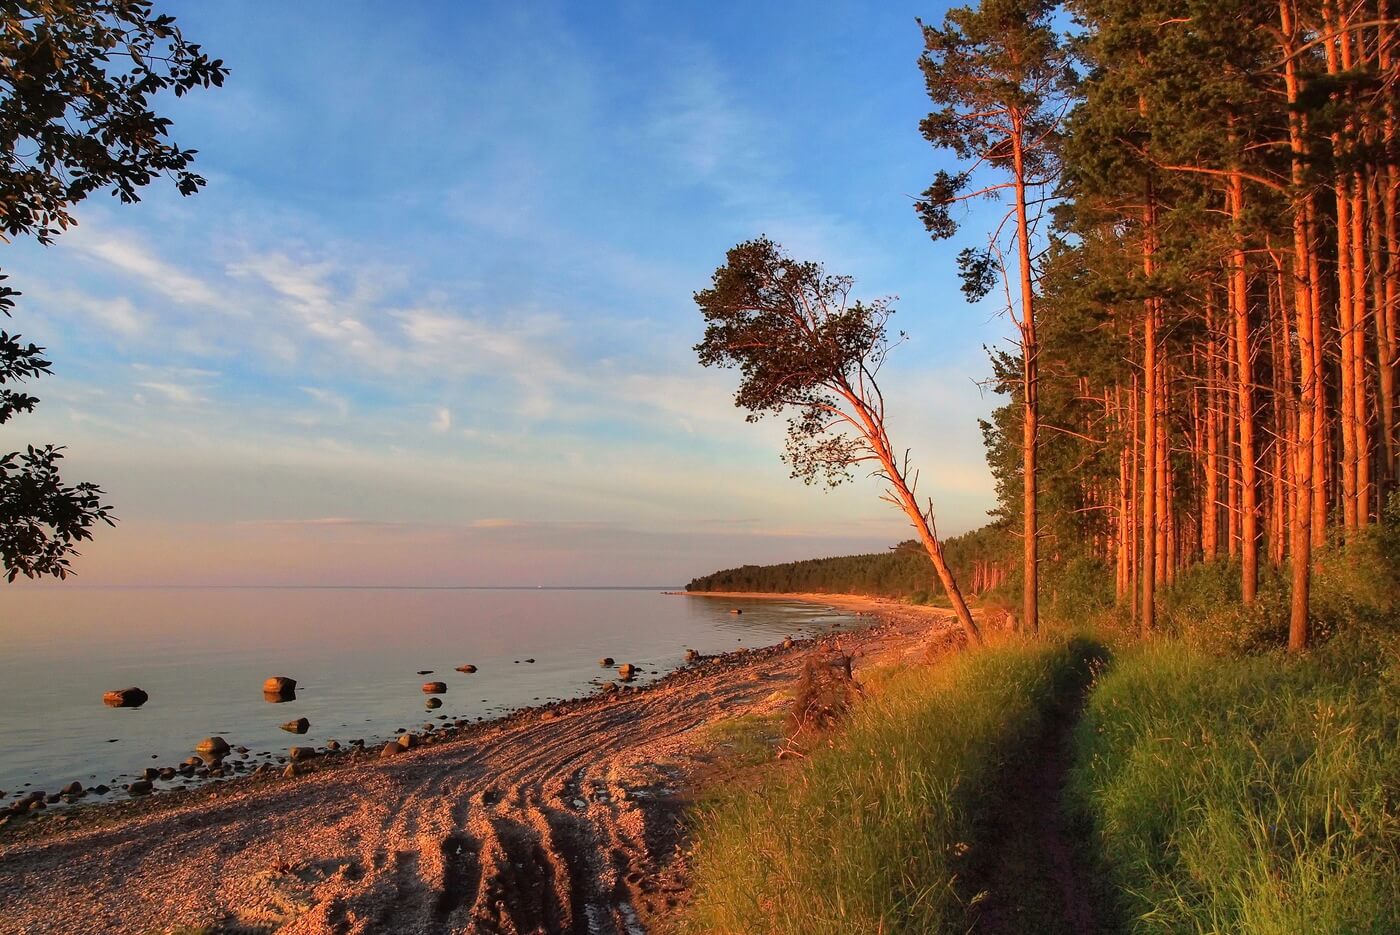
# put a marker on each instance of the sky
(431, 321)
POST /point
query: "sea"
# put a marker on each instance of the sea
(360, 657)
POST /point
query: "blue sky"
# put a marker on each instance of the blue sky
(431, 320)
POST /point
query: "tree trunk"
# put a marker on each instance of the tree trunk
(1030, 426)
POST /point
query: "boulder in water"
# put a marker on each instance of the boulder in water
(297, 754)
(125, 698)
(300, 726)
(433, 703)
(606, 662)
(434, 688)
(468, 668)
(626, 671)
(281, 686)
(215, 746)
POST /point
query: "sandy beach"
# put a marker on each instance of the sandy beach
(568, 817)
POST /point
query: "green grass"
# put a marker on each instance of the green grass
(1247, 796)
(869, 833)
(747, 740)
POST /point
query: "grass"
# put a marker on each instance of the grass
(1249, 796)
(747, 740)
(870, 832)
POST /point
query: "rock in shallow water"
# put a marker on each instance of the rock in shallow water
(281, 686)
(468, 668)
(300, 726)
(434, 688)
(125, 698)
(212, 746)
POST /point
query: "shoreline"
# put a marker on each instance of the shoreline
(533, 820)
(242, 769)
(859, 603)
(118, 805)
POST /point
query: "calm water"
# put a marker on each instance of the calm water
(202, 655)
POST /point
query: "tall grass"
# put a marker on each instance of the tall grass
(869, 833)
(1247, 796)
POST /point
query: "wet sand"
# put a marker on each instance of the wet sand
(564, 818)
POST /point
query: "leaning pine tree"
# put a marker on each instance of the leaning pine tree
(803, 346)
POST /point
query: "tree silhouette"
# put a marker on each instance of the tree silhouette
(77, 79)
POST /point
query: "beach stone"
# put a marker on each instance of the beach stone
(300, 726)
(434, 688)
(101, 789)
(150, 774)
(301, 753)
(73, 788)
(125, 698)
(333, 745)
(530, 661)
(626, 671)
(212, 746)
(408, 741)
(279, 685)
(291, 771)
(691, 655)
(389, 749)
(736, 611)
(787, 642)
(609, 687)
(425, 671)
(606, 662)
(139, 787)
(468, 668)
(434, 703)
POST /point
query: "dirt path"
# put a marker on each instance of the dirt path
(564, 819)
(1035, 878)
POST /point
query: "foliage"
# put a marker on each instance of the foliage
(76, 113)
(800, 343)
(77, 82)
(869, 834)
(903, 572)
(1252, 796)
(994, 72)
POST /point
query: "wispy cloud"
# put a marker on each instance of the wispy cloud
(129, 255)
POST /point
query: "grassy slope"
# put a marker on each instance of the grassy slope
(1246, 795)
(870, 832)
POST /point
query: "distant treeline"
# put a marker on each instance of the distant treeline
(980, 560)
